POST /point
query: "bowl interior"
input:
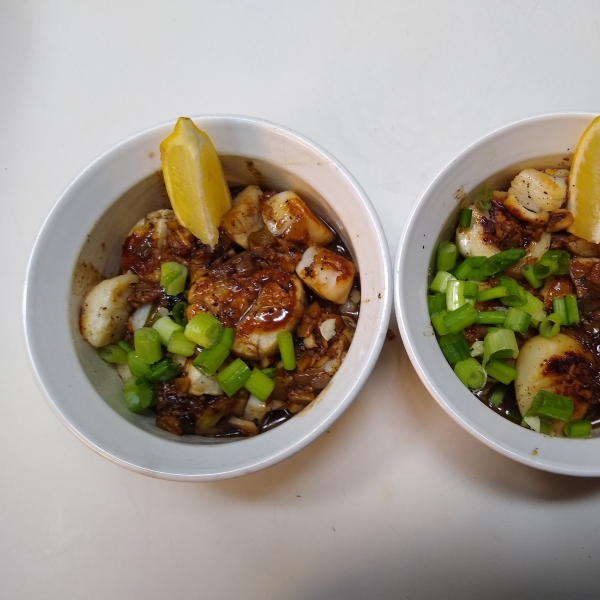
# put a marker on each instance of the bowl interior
(80, 244)
(542, 141)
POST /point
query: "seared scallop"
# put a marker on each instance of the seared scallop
(105, 310)
(244, 217)
(475, 240)
(286, 215)
(279, 307)
(560, 365)
(327, 273)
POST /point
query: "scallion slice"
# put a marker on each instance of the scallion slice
(459, 319)
(484, 199)
(440, 281)
(572, 309)
(439, 324)
(125, 346)
(471, 373)
(173, 276)
(138, 367)
(179, 313)
(166, 327)
(466, 215)
(138, 394)
(550, 326)
(204, 329)
(477, 349)
(163, 370)
(491, 317)
(467, 266)
(179, 344)
(492, 293)
(501, 371)
(436, 303)
(454, 347)
(578, 429)
(560, 308)
(270, 372)
(234, 376)
(210, 359)
(516, 295)
(517, 320)
(532, 304)
(259, 385)
(285, 342)
(497, 393)
(529, 274)
(447, 253)
(113, 354)
(498, 262)
(552, 262)
(499, 343)
(147, 345)
(547, 404)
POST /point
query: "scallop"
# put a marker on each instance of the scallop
(244, 217)
(534, 194)
(278, 307)
(105, 310)
(327, 273)
(560, 365)
(199, 383)
(286, 215)
(474, 240)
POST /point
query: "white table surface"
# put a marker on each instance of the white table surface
(396, 500)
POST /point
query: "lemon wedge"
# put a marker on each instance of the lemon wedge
(195, 181)
(584, 185)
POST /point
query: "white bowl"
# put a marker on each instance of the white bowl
(540, 141)
(82, 237)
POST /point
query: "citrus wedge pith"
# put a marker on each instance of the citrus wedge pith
(584, 185)
(194, 180)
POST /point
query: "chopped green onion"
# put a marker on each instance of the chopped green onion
(440, 281)
(532, 304)
(572, 309)
(498, 262)
(137, 366)
(234, 376)
(529, 274)
(470, 289)
(552, 262)
(515, 294)
(286, 349)
(538, 316)
(459, 319)
(438, 323)
(270, 372)
(560, 308)
(179, 344)
(113, 354)
(578, 429)
(538, 424)
(467, 266)
(125, 346)
(147, 345)
(166, 327)
(492, 293)
(179, 313)
(436, 303)
(497, 393)
(138, 394)
(499, 343)
(204, 329)
(163, 370)
(471, 373)
(259, 385)
(491, 317)
(501, 371)
(466, 215)
(455, 294)
(210, 359)
(173, 276)
(550, 326)
(447, 253)
(477, 349)
(454, 347)
(484, 199)
(517, 320)
(547, 404)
